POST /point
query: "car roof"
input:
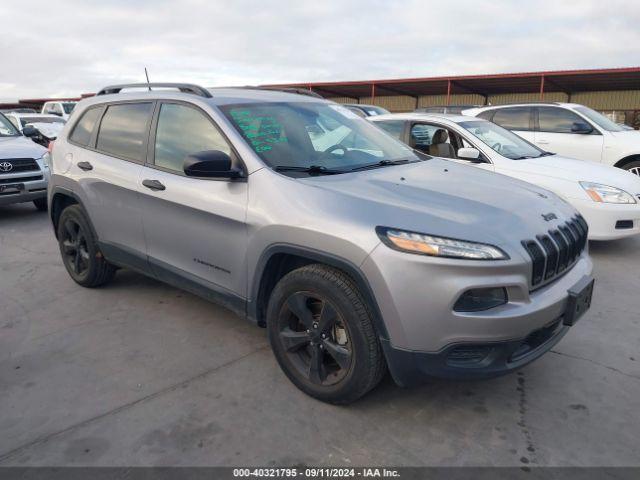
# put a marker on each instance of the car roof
(526, 104)
(419, 116)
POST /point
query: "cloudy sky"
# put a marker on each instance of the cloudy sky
(68, 47)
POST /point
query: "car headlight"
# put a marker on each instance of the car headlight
(46, 159)
(606, 194)
(424, 244)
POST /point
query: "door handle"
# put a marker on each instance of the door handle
(85, 166)
(543, 142)
(153, 185)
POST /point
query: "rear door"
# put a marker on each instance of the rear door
(107, 150)
(195, 227)
(517, 119)
(553, 133)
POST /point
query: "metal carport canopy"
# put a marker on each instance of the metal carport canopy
(567, 81)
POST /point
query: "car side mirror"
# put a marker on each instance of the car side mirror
(472, 154)
(210, 164)
(581, 127)
(30, 131)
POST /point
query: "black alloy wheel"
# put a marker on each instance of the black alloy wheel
(315, 338)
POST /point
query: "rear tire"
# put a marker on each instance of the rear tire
(41, 204)
(79, 249)
(322, 334)
(633, 167)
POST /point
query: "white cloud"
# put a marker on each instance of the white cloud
(72, 47)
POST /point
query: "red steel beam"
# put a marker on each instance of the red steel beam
(541, 87)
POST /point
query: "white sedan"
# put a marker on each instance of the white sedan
(607, 197)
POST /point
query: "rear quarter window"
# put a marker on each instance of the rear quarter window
(83, 130)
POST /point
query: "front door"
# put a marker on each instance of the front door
(553, 134)
(194, 227)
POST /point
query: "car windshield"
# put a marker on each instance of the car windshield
(7, 129)
(315, 136)
(371, 111)
(502, 141)
(27, 120)
(68, 107)
(599, 119)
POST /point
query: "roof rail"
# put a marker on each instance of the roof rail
(294, 90)
(183, 87)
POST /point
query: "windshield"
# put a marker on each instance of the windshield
(7, 129)
(371, 111)
(310, 134)
(68, 107)
(502, 140)
(599, 119)
(27, 120)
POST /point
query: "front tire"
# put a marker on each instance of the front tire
(79, 249)
(41, 204)
(322, 334)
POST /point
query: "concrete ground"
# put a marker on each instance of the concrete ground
(139, 373)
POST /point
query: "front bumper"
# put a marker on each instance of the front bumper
(604, 217)
(35, 185)
(416, 295)
(472, 361)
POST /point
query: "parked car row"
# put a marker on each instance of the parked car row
(608, 198)
(357, 252)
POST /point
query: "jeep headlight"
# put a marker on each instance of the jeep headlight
(606, 194)
(424, 244)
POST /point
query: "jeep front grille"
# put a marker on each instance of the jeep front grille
(20, 165)
(555, 252)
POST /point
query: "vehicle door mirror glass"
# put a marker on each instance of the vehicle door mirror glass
(472, 154)
(581, 127)
(210, 164)
(30, 131)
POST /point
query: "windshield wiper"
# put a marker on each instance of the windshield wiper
(546, 154)
(381, 163)
(313, 169)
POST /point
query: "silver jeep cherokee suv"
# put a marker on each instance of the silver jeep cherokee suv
(357, 253)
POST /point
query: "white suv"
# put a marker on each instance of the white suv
(61, 108)
(569, 129)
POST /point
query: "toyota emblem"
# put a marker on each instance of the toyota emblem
(6, 167)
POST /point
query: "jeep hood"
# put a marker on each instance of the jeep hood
(445, 198)
(20, 147)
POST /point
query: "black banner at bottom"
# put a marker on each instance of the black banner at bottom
(404, 473)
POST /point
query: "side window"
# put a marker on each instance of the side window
(422, 136)
(558, 120)
(123, 130)
(395, 128)
(182, 131)
(513, 118)
(83, 130)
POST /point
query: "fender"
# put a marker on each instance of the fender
(68, 193)
(320, 257)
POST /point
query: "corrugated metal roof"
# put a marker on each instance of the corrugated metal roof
(567, 81)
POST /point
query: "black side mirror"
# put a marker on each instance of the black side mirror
(30, 131)
(210, 164)
(581, 127)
